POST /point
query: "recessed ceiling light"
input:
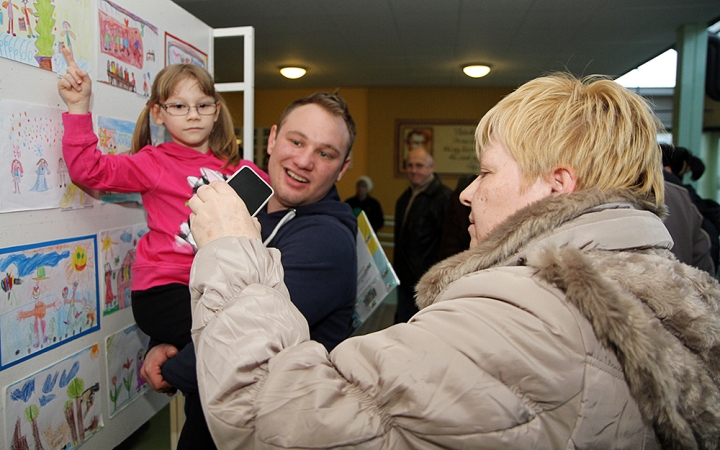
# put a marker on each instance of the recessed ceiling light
(476, 70)
(292, 72)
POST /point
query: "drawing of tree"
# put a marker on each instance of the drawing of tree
(31, 414)
(19, 440)
(44, 10)
(75, 391)
(70, 418)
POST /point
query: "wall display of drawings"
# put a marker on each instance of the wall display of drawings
(49, 296)
(180, 52)
(117, 254)
(451, 142)
(125, 352)
(31, 151)
(58, 407)
(34, 32)
(376, 277)
(129, 49)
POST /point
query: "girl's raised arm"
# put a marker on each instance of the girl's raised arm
(75, 87)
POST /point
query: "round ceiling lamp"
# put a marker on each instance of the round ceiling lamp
(476, 70)
(292, 72)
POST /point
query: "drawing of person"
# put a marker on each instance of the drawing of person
(139, 361)
(42, 170)
(38, 312)
(28, 12)
(68, 34)
(16, 170)
(11, 24)
(63, 172)
(109, 295)
(107, 39)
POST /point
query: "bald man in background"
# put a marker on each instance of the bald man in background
(419, 217)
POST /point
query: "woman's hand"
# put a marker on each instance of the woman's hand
(75, 86)
(218, 212)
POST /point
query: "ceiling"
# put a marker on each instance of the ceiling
(362, 43)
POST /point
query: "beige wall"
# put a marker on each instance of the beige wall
(375, 111)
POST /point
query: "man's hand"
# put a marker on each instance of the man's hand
(151, 369)
(75, 87)
(218, 212)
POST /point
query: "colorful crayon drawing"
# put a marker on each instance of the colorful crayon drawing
(117, 254)
(31, 154)
(57, 408)
(180, 52)
(37, 30)
(115, 138)
(128, 48)
(125, 352)
(49, 296)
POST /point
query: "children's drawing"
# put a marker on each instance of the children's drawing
(36, 31)
(180, 52)
(128, 49)
(125, 352)
(50, 296)
(57, 408)
(117, 254)
(115, 138)
(31, 152)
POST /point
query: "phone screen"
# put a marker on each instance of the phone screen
(254, 191)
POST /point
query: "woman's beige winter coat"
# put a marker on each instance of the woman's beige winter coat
(570, 327)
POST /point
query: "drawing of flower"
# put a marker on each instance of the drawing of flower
(127, 381)
(114, 392)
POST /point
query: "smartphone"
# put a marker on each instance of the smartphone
(254, 191)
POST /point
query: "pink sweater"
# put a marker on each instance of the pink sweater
(159, 174)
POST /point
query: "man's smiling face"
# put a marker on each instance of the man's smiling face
(308, 154)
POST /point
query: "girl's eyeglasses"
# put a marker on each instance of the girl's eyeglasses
(181, 109)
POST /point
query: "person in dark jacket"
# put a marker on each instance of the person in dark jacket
(362, 201)
(419, 217)
(309, 151)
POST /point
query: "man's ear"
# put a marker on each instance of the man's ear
(563, 180)
(271, 139)
(345, 166)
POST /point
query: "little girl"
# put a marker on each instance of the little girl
(183, 99)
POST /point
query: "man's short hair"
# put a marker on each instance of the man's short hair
(604, 132)
(333, 104)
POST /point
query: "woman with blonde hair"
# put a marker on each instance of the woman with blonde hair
(567, 324)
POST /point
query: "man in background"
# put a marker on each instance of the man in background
(419, 217)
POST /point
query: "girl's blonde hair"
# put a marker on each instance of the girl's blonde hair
(222, 137)
(604, 132)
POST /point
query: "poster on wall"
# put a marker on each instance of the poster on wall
(31, 151)
(125, 351)
(129, 49)
(180, 52)
(49, 296)
(451, 142)
(36, 31)
(57, 408)
(117, 254)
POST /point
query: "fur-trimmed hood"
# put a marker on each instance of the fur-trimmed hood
(607, 251)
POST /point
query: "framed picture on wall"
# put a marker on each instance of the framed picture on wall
(451, 142)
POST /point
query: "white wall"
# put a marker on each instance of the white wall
(33, 85)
